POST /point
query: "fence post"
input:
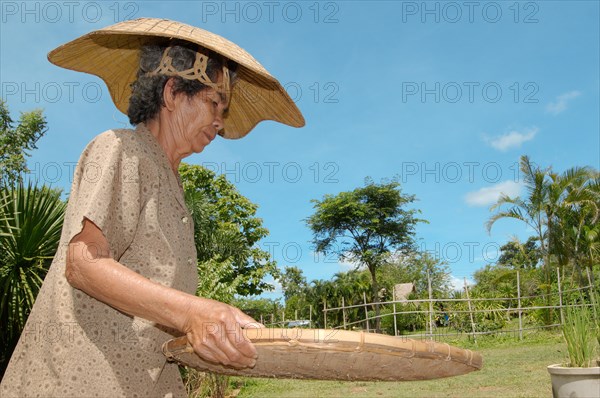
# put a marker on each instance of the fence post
(344, 313)
(296, 314)
(272, 319)
(431, 324)
(470, 309)
(519, 303)
(325, 314)
(366, 311)
(261, 319)
(592, 292)
(310, 315)
(394, 306)
(560, 303)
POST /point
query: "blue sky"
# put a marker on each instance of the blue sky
(444, 95)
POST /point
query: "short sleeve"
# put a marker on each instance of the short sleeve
(106, 190)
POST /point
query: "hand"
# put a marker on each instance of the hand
(214, 330)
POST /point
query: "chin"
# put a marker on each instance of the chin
(200, 148)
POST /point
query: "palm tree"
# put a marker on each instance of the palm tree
(549, 202)
(591, 237)
(575, 240)
(30, 225)
(352, 285)
(320, 292)
(531, 209)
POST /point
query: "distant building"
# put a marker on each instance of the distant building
(403, 290)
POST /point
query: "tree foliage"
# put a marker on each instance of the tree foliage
(293, 282)
(259, 308)
(365, 225)
(350, 288)
(414, 267)
(563, 209)
(31, 220)
(518, 255)
(227, 232)
(30, 224)
(16, 142)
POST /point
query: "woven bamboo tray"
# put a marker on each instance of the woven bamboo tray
(327, 354)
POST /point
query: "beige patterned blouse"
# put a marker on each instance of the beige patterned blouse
(76, 346)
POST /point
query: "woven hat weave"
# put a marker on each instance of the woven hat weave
(112, 53)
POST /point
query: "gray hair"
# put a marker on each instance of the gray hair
(147, 91)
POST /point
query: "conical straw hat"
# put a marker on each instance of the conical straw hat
(112, 53)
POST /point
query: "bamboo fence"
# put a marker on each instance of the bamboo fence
(430, 311)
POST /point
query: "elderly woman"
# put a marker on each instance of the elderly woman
(124, 278)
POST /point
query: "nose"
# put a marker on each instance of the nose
(218, 123)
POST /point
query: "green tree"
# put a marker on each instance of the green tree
(30, 225)
(352, 286)
(553, 204)
(574, 239)
(294, 285)
(15, 142)
(515, 254)
(259, 308)
(364, 226)
(499, 280)
(227, 232)
(530, 209)
(293, 282)
(413, 267)
(318, 292)
(549, 198)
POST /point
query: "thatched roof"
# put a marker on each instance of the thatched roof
(402, 290)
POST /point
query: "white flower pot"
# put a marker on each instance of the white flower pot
(575, 382)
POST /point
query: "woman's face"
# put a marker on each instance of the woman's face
(197, 120)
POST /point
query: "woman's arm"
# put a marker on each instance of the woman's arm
(213, 328)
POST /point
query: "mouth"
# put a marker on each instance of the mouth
(211, 135)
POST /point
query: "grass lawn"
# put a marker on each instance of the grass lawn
(511, 368)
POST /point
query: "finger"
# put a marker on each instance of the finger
(218, 349)
(206, 351)
(213, 356)
(233, 345)
(230, 338)
(236, 355)
(253, 325)
(247, 321)
(238, 339)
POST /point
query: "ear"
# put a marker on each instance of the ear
(168, 95)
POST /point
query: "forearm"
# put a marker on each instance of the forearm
(116, 285)
(90, 269)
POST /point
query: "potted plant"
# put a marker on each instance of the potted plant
(580, 377)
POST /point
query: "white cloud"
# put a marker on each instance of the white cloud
(459, 283)
(560, 105)
(277, 287)
(489, 195)
(512, 139)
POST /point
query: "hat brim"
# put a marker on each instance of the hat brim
(112, 53)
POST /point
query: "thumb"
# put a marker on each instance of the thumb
(247, 321)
